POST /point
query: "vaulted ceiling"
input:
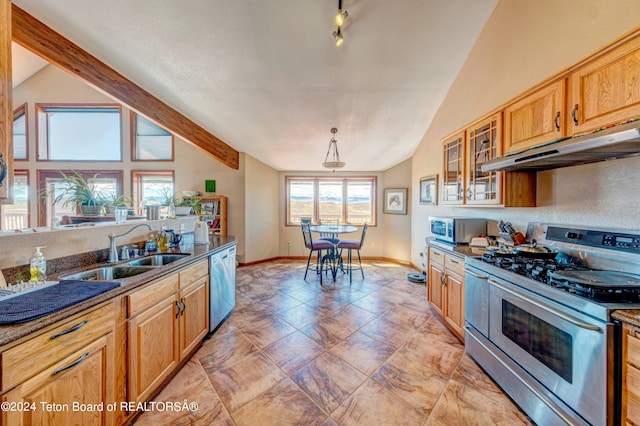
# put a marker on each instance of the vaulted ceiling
(266, 76)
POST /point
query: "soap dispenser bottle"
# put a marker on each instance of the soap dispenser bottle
(38, 266)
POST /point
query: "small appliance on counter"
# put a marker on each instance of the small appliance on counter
(457, 230)
(201, 232)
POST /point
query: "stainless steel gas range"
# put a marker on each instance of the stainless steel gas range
(541, 326)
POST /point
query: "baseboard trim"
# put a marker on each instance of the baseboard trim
(364, 258)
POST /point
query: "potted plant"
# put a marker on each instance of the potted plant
(113, 200)
(79, 192)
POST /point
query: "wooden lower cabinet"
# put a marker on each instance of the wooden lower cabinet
(194, 320)
(455, 303)
(630, 375)
(153, 348)
(445, 289)
(74, 391)
(164, 333)
(64, 375)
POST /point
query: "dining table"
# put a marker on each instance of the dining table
(333, 256)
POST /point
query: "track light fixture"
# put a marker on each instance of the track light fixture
(337, 35)
(340, 18)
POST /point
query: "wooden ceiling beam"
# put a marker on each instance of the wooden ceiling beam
(38, 38)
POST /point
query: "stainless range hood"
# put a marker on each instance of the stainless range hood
(615, 142)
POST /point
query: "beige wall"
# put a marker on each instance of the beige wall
(523, 43)
(262, 212)
(397, 228)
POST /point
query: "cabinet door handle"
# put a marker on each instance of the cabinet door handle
(556, 121)
(574, 115)
(184, 305)
(454, 261)
(73, 364)
(179, 308)
(71, 330)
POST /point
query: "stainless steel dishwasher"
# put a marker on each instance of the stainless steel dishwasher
(222, 291)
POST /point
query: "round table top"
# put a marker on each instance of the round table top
(333, 229)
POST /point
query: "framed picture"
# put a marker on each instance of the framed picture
(429, 190)
(395, 201)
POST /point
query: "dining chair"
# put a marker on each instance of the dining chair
(351, 245)
(315, 246)
(329, 236)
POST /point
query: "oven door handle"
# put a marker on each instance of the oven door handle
(552, 311)
(473, 274)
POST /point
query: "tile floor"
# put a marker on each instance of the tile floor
(370, 353)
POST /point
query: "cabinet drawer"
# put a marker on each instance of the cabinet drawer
(633, 347)
(436, 255)
(152, 294)
(25, 360)
(633, 394)
(194, 272)
(454, 264)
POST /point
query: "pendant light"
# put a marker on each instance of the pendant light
(332, 160)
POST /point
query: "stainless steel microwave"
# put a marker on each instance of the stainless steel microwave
(457, 229)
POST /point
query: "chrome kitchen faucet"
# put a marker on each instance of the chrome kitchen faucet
(113, 251)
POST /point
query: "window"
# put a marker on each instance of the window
(16, 215)
(151, 185)
(79, 132)
(149, 142)
(20, 150)
(107, 182)
(350, 200)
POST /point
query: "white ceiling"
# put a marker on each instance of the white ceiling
(266, 77)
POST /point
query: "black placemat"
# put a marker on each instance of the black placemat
(36, 304)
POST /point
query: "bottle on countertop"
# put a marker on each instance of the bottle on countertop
(38, 265)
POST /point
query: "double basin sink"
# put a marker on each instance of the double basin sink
(125, 270)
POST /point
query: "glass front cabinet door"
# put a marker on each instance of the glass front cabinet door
(453, 176)
(483, 144)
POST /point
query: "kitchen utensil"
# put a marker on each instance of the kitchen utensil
(509, 228)
(534, 250)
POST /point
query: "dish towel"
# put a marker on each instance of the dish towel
(38, 303)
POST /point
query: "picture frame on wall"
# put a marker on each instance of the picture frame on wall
(395, 201)
(429, 190)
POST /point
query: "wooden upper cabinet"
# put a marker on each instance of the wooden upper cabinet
(453, 173)
(6, 111)
(606, 90)
(484, 144)
(536, 118)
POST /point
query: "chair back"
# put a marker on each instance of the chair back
(328, 222)
(306, 234)
(364, 232)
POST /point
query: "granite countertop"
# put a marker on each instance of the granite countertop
(198, 252)
(462, 250)
(630, 316)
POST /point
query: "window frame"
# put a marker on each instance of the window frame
(133, 118)
(316, 207)
(19, 172)
(22, 110)
(135, 184)
(42, 130)
(43, 174)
